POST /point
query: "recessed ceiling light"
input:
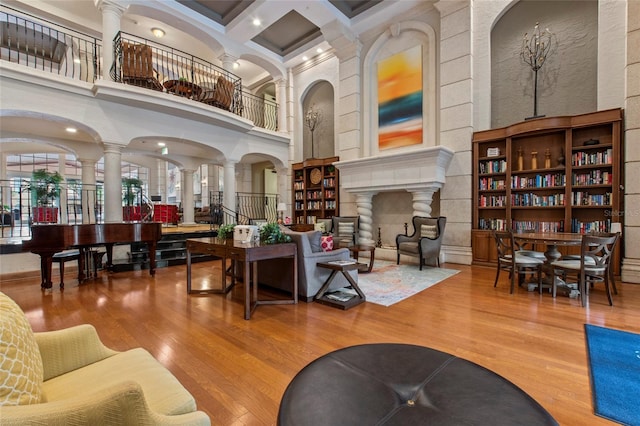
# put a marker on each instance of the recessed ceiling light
(161, 144)
(158, 32)
(319, 50)
(304, 58)
(71, 129)
(76, 61)
(256, 22)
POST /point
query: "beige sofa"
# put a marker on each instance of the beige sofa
(69, 377)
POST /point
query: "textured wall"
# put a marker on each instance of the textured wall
(567, 83)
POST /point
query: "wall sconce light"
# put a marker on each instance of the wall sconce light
(158, 32)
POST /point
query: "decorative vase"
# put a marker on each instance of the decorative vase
(534, 160)
(520, 159)
(547, 159)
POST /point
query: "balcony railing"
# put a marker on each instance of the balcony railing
(36, 43)
(49, 47)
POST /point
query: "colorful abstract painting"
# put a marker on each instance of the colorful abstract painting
(400, 99)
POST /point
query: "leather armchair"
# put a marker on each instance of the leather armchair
(425, 242)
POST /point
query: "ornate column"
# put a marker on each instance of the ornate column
(227, 61)
(364, 206)
(111, 14)
(112, 183)
(187, 197)
(281, 101)
(422, 202)
(229, 192)
(88, 197)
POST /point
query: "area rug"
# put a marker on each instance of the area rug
(389, 283)
(614, 365)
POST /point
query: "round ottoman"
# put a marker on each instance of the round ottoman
(397, 384)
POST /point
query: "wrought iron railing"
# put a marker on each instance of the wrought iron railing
(37, 43)
(49, 47)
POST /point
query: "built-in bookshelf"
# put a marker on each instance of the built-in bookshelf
(551, 174)
(315, 190)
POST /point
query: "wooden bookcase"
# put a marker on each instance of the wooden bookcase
(577, 189)
(315, 190)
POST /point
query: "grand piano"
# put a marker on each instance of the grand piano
(48, 239)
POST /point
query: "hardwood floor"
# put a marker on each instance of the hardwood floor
(237, 370)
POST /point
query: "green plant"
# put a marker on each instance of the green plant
(226, 230)
(46, 186)
(131, 186)
(271, 233)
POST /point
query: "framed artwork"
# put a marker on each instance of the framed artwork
(400, 99)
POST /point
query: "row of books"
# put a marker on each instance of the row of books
(538, 181)
(536, 200)
(492, 201)
(594, 177)
(593, 226)
(583, 198)
(491, 183)
(493, 166)
(499, 224)
(592, 158)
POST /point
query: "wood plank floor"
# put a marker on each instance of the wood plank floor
(238, 370)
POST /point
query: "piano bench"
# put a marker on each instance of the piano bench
(63, 257)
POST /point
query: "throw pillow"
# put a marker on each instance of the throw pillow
(314, 240)
(345, 229)
(429, 231)
(320, 227)
(21, 371)
(327, 242)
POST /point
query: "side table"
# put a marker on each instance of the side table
(342, 266)
(356, 249)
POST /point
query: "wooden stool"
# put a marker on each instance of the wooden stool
(62, 258)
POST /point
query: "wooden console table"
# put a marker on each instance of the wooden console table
(249, 254)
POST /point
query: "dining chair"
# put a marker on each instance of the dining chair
(511, 260)
(594, 265)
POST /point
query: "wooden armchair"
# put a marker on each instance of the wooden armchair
(137, 66)
(221, 96)
(425, 242)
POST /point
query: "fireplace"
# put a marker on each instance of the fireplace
(420, 173)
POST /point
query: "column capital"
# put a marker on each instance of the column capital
(110, 6)
(112, 148)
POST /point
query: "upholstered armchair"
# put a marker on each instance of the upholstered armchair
(69, 377)
(425, 242)
(345, 230)
(277, 273)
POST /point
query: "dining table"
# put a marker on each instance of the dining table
(552, 240)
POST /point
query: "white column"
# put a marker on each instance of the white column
(364, 206)
(422, 202)
(631, 235)
(111, 14)
(88, 196)
(284, 196)
(112, 183)
(187, 197)
(64, 217)
(5, 197)
(229, 192)
(154, 181)
(281, 100)
(227, 61)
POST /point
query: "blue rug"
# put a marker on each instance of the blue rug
(614, 360)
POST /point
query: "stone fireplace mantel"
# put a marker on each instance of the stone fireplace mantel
(421, 172)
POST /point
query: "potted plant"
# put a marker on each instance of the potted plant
(226, 231)
(45, 188)
(271, 233)
(131, 188)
